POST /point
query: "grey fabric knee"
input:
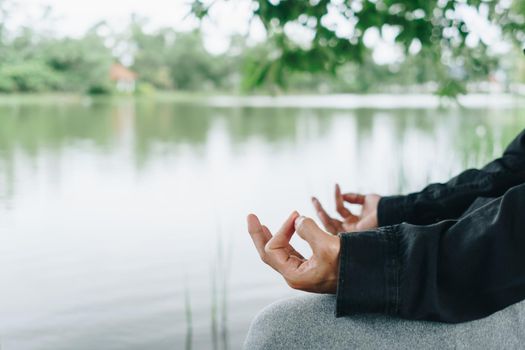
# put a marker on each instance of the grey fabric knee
(308, 322)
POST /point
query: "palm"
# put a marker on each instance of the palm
(368, 217)
(293, 266)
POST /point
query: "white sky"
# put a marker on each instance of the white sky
(229, 17)
(75, 16)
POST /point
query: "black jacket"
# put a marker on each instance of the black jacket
(453, 252)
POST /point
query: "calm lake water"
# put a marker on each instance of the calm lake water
(122, 222)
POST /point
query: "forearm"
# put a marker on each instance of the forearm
(454, 271)
(449, 200)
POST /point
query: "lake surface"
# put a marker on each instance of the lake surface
(122, 222)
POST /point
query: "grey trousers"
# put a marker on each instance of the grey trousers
(308, 322)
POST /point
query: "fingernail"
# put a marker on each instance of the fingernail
(314, 199)
(294, 213)
(298, 221)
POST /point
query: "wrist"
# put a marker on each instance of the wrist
(334, 248)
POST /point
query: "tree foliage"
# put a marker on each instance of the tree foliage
(170, 60)
(336, 59)
(338, 29)
(30, 62)
(82, 63)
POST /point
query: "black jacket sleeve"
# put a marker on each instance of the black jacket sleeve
(439, 202)
(452, 271)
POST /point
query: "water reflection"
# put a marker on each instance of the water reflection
(128, 215)
(150, 128)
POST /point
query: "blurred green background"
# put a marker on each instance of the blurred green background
(446, 46)
(135, 136)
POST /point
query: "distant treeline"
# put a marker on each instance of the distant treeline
(36, 61)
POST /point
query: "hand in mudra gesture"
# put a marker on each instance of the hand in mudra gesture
(317, 274)
(349, 222)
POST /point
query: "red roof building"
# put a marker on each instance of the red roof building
(123, 77)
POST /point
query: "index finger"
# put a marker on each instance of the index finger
(354, 198)
(278, 253)
(285, 233)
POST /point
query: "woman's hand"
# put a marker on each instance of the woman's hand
(319, 273)
(366, 220)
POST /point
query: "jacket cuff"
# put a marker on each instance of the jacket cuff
(392, 210)
(369, 272)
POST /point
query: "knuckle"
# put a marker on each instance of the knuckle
(307, 222)
(292, 284)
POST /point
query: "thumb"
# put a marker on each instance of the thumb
(309, 231)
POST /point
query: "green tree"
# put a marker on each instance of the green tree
(82, 63)
(33, 61)
(167, 59)
(149, 51)
(434, 24)
(192, 67)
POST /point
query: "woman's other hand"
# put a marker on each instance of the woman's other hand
(349, 222)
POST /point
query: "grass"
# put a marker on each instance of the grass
(189, 319)
(220, 272)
